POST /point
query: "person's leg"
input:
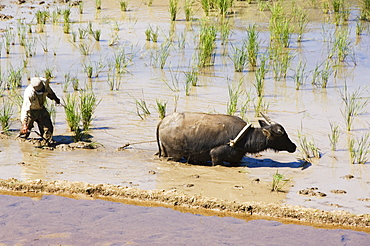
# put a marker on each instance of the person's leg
(46, 126)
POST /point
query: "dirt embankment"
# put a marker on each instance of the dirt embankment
(177, 199)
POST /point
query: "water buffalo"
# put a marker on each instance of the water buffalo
(202, 137)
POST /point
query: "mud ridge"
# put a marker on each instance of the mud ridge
(176, 198)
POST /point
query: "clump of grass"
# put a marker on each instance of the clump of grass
(191, 76)
(260, 73)
(174, 86)
(278, 181)
(6, 113)
(71, 110)
(88, 69)
(260, 107)
(281, 60)
(48, 73)
(224, 31)
(280, 27)
(173, 8)
(334, 136)
(308, 148)
(83, 48)
(352, 105)
(75, 83)
(88, 104)
(302, 22)
(359, 150)
(365, 10)
(161, 108)
(120, 61)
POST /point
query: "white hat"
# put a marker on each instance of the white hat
(37, 83)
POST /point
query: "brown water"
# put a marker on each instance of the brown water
(308, 110)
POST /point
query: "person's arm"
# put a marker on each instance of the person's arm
(51, 94)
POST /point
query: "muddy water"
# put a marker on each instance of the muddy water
(308, 110)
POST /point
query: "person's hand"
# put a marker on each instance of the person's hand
(24, 129)
(57, 101)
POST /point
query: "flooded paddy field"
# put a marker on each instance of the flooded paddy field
(127, 75)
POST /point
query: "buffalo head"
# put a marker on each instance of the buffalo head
(277, 138)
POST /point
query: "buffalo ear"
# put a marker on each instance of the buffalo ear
(263, 123)
(267, 133)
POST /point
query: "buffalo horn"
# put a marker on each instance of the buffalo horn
(267, 119)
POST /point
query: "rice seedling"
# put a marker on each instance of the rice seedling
(359, 28)
(21, 27)
(278, 181)
(261, 107)
(66, 13)
(123, 5)
(114, 79)
(88, 69)
(96, 34)
(334, 135)
(73, 117)
(120, 61)
(239, 57)
(342, 47)
(224, 31)
(89, 27)
(9, 39)
(88, 104)
(81, 7)
(337, 5)
(55, 15)
(173, 8)
(161, 108)
(83, 48)
(142, 109)
(359, 150)
(82, 33)
(99, 66)
(365, 10)
(208, 5)
(6, 113)
(174, 81)
(191, 76)
(75, 83)
(280, 27)
(352, 105)
(161, 55)
(151, 34)
(30, 47)
(234, 95)
(245, 105)
(14, 79)
(71, 110)
(281, 60)
(41, 16)
(224, 6)
(308, 148)
(302, 22)
(252, 45)
(67, 82)
(67, 27)
(98, 4)
(263, 5)
(206, 44)
(188, 9)
(48, 73)
(321, 74)
(299, 75)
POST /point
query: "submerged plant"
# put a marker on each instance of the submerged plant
(188, 9)
(239, 57)
(234, 94)
(206, 44)
(224, 6)
(142, 109)
(299, 75)
(252, 45)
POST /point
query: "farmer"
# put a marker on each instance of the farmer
(33, 108)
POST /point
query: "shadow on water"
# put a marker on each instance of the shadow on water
(256, 163)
